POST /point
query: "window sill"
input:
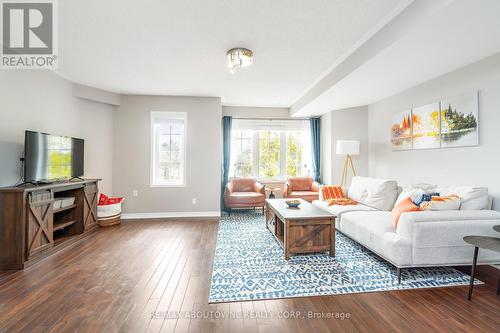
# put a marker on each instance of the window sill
(272, 181)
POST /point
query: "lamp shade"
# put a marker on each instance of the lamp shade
(348, 147)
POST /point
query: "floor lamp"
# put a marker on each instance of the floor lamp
(347, 148)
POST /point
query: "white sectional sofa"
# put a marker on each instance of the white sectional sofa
(424, 238)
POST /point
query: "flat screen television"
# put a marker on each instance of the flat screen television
(48, 157)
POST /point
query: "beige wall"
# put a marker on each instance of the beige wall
(131, 157)
(42, 101)
(97, 130)
(477, 166)
(346, 124)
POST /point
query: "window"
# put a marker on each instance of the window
(270, 149)
(168, 155)
(242, 146)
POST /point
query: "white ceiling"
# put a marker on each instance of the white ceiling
(456, 34)
(162, 47)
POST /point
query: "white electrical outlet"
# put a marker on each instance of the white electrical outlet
(135, 193)
(194, 201)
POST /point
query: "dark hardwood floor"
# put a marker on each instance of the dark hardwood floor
(150, 275)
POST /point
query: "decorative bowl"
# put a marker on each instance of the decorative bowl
(293, 203)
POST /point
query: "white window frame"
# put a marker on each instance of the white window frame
(154, 153)
(283, 160)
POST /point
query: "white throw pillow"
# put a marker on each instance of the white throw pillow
(451, 202)
(358, 190)
(472, 198)
(412, 193)
(377, 193)
(382, 195)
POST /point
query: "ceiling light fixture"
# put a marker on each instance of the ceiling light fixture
(239, 57)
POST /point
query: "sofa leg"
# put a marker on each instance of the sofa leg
(398, 271)
(229, 211)
(263, 212)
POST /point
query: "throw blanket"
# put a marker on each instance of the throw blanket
(341, 202)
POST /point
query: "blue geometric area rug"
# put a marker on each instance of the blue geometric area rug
(249, 264)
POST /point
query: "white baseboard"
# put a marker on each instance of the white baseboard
(131, 216)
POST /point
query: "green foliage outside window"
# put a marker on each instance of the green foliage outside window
(293, 155)
(265, 148)
(269, 154)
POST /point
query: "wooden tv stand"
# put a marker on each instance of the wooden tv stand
(30, 227)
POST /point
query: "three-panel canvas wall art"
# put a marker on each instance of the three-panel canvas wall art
(452, 122)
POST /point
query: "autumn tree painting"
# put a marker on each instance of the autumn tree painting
(426, 127)
(401, 131)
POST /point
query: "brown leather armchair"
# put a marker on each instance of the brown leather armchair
(301, 187)
(244, 193)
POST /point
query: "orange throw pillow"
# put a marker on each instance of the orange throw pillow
(332, 192)
(404, 206)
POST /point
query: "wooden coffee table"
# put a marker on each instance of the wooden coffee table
(306, 229)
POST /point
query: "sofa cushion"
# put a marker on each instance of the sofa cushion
(382, 196)
(303, 193)
(376, 231)
(338, 210)
(472, 198)
(377, 193)
(246, 198)
(306, 195)
(300, 183)
(358, 190)
(243, 184)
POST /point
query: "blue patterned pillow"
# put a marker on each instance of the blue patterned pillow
(424, 198)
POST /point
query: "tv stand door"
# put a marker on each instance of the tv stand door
(40, 222)
(90, 206)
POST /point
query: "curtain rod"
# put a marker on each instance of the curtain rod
(242, 118)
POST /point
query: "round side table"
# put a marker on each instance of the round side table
(484, 242)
